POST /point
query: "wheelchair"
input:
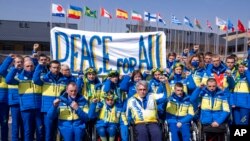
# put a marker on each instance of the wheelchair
(194, 131)
(95, 137)
(215, 134)
(132, 134)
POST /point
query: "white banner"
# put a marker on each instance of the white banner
(124, 52)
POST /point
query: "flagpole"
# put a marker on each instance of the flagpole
(157, 20)
(170, 37)
(50, 27)
(66, 24)
(226, 49)
(236, 42)
(175, 41)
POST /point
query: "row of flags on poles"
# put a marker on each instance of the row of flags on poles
(76, 12)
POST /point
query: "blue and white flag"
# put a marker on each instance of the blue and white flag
(160, 19)
(188, 22)
(150, 17)
(175, 20)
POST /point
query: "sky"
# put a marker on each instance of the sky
(203, 10)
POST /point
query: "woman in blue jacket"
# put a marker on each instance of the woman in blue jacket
(71, 110)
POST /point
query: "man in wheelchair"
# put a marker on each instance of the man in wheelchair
(214, 109)
(109, 118)
(179, 113)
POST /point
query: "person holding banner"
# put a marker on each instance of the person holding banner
(90, 85)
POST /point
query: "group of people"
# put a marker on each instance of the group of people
(44, 97)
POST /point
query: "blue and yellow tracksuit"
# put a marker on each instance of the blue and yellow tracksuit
(120, 92)
(52, 87)
(188, 83)
(179, 109)
(71, 123)
(240, 98)
(13, 101)
(109, 119)
(4, 110)
(214, 105)
(197, 75)
(30, 102)
(143, 112)
(90, 89)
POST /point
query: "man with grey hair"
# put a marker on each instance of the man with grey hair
(142, 111)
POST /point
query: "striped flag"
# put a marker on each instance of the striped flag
(188, 22)
(74, 12)
(121, 14)
(105, 13)
(175, 20)
(136, 16)
(222, 24)
(160, 19)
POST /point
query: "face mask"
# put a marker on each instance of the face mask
(195, 64)
(178, 75)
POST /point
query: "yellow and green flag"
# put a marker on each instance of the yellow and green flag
(90, 13)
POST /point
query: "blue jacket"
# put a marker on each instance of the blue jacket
(3, 73)
(241, 93)
(179, 109)
(52, 86)
(214, 105)
(29, 93)
(120, 92)
(67, 117)
(188, 83)
(197, 75)
(155, 86)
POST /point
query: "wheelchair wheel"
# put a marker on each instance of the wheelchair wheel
(131, 133)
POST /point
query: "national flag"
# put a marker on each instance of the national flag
(209, 25)
(197, 23)
(57, 10)
(136, 16)
(175, 20)
(150, 17)
(90, 13)
(241, 27)
(105, 13)
(187, 22)
(220, 22)
(230, 25)
(74, 12)
(121, 14)
(160, 19)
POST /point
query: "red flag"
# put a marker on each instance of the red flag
(241, 27)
